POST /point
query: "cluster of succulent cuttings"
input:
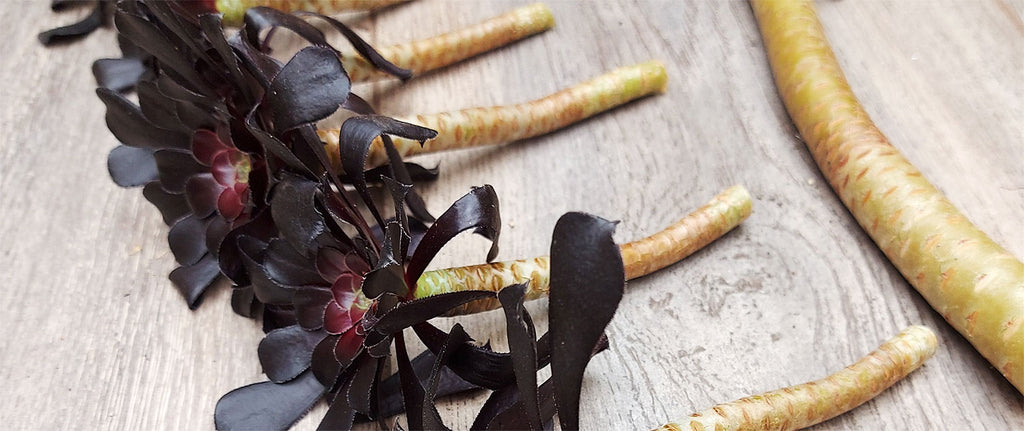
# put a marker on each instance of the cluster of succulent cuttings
(223, 139)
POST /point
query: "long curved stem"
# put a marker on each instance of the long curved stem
(477, 127)
(814, 402)
(698, 229)
(975, 284)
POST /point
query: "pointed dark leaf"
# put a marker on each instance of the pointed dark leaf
(195, 117)
(295, 214)
(202, 192)
(416, 231)
(499, 401)
(187, 239)
(172, 206)
(258, 19)
(396, 167)
(172, 54)
(587, 283)
(417, 173)
(324, 365)
(477, 365)
(449, 383)
(423, 309)
(261, 227)
(456, 339)
(96, 19)
(310, 304)
(176, 91)
(398, 192)
(131, 166)
(311, 86)
(359, 391)
(339, 417)
(477, 210)
(285, 353)
(364, 49)
(261, 66)
(176, 167)
(418, 412)
(513, 418)
(287, 266)
(214, 31)
(386, 276)
(274, 146)
(503, 409)
(267, 290)
(358, 105)
(180, 27)
(120, 74)
(243, 301)
(308, 147)
(193, 280)
(158, 108)
(267, 405)
(126, 122)
(59, 5)
(523, 345)
(355, 138)
(276, 317)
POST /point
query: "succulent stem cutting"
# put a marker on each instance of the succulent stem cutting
(974, 283)
(810, 403)
(476, 127)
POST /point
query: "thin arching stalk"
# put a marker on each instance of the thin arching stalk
(814, 402)
(639, 258)
(495, 125)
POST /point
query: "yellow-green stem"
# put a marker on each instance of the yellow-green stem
(433, 53)
(500, 124)
(234, 10)
(814, 402)
(975, 284)
(639, 258)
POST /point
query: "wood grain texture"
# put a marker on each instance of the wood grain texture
(95, 337)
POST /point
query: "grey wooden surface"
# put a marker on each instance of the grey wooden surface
(95, 337)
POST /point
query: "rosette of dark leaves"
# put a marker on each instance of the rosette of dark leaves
(347, 367)
(218, 123)
(345, 314)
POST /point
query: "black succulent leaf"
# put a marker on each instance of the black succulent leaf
(98, 17)
(522, 339)
(268, 405)
(123, 73)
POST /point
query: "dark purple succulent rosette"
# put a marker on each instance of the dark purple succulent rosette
(224, 186)
(216, 124)
(318, 357)
(344, 327)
